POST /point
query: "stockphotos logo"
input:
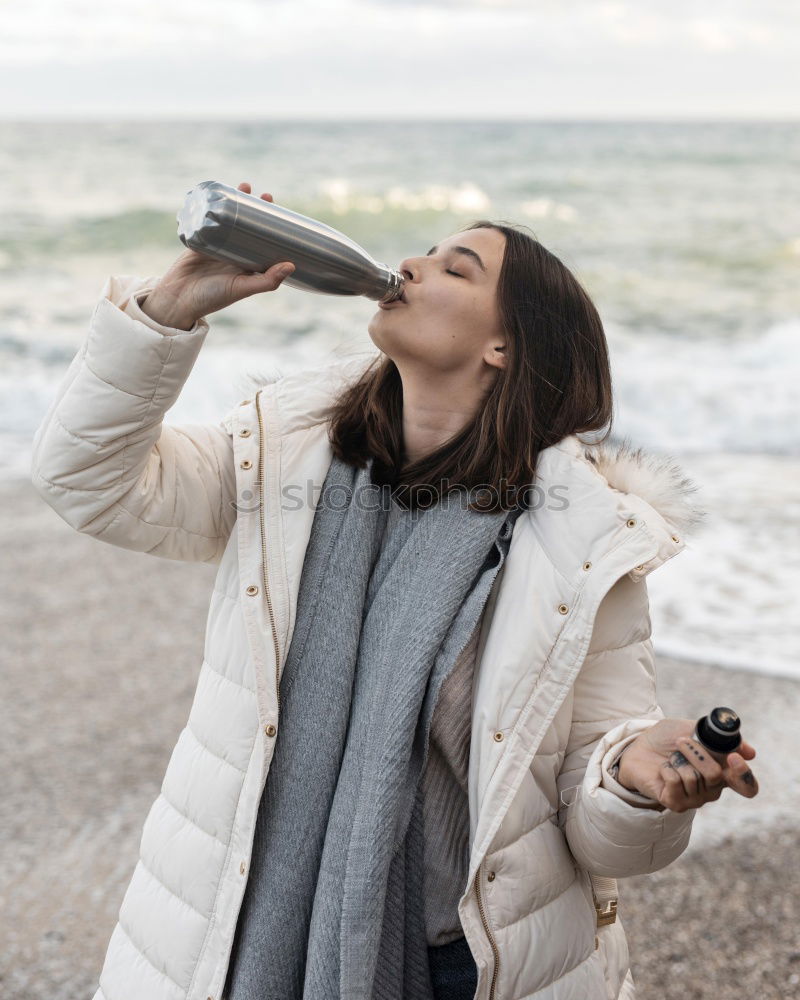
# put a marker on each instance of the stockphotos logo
(337, 497)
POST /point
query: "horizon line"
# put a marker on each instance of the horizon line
(109, 117)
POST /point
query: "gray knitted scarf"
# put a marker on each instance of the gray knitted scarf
(334, 908)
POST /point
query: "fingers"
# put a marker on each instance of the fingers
(739, 776)
(736, 775)
(703, 762)
(244, 186)
(684, 786)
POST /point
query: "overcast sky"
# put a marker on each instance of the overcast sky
(493, 59)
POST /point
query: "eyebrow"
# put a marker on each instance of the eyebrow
(463, 250)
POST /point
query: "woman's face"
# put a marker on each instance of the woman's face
(448, 320)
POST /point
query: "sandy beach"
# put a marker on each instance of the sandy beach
(102, 648)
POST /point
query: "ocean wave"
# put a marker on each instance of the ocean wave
(544, 208)
(47, 353)
(30, 241)
(734, 395)
(715, 653)
(344, 198)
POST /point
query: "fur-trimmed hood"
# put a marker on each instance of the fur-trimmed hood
(656, 478)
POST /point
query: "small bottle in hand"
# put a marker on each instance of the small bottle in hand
(719, 733)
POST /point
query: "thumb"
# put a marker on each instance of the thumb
(280, 271)
(747, 751)
(266, 282)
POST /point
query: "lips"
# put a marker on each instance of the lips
(394, 303)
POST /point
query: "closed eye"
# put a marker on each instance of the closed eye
(454, 273)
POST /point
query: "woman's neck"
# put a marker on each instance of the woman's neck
(435, 408)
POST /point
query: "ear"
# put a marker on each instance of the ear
(496, 356)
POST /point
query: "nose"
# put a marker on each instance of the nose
(410, 268)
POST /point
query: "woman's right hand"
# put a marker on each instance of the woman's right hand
(196, 285)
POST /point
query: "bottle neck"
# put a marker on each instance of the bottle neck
(395, 284)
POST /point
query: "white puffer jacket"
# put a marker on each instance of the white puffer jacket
(564, 678)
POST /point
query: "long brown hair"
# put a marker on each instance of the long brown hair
(556, 382)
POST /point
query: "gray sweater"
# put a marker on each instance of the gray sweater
(444, 780)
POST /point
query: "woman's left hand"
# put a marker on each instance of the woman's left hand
(666, 764)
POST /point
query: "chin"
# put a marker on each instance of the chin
(377, 336)
(389, 339)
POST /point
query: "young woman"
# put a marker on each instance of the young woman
(425, 738)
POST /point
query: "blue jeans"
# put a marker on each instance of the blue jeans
(453, 971)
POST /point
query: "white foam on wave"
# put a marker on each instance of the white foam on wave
(717, 655)
(219, 379)
(732, 596)
(709, 394)
(544, 208)
(461, 199)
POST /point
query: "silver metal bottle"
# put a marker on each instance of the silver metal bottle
(223, 222)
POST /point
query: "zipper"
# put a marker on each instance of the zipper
(492, 942)
(267, 598)
(477, 880)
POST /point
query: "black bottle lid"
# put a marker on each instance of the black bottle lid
(719, 730)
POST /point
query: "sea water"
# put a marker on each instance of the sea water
(687, 237)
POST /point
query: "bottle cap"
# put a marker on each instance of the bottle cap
(719, 730)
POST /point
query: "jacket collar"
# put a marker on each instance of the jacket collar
(605, 490)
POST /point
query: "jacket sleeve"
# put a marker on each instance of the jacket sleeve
(611, 831)
(104, 460)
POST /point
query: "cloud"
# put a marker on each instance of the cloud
(73, 30)
(396, 58)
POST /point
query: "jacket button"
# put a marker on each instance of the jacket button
(498, 737)
(562, 609)
(246, 464)
(245, 432)
(490, 877)
(631, 522)
(587, 565)
(640, 566)
(252, 590)
(675, 538)
(242, 868)
(270, 730)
